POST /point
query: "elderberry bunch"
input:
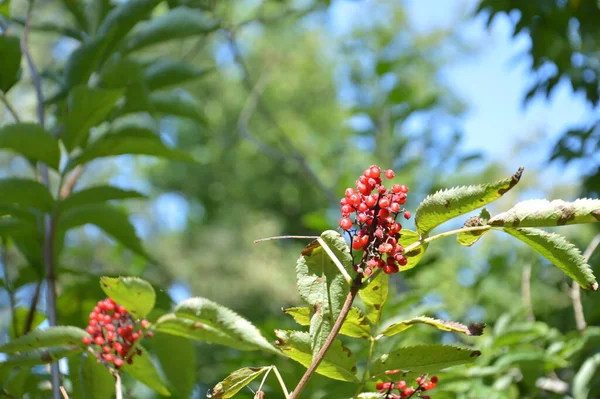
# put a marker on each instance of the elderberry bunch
(113, 333)
(375, 209)
(423, 384)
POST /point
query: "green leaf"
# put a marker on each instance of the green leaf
(355, 324)
(469, 238)
(5, 9)
(339, 362)
(10, 61)
(13, 227)
(541, 213)
(583, 378)
(26, 193)
(31, 141)
(17, 385)
(96, 380)
(52, 336)
(35, 357)
(321, 285)
(177, 103)
(560, 252)
(235, 381)
(396, 328)
(177, 357)
(212, 322)
(129, 140)
(93, 195)
(414, 256)
(111, 220)
(81, 64)
(447, 204)
(178, 23)
(422, 359)
(167, 72)
(133, 293)
(374, 296)
(20, 318)
(144, 370)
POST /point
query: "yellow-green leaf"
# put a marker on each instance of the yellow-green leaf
(133, 293)
(544, 213)
(396, 328)
(235, 381)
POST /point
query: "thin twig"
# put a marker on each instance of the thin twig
(34, 301)
(336, 261)
(64, 392)
(118, 386)
(9, 107)
(576, 290)
(526, 292)
(285, 238)
(9, 288)
(67, 188)
(286, 393)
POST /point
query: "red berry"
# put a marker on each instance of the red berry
(427, 386)
(379, 386)
(384, 203)
(389, 174)
(99, 340)
(149, 334)
(370, 201)
(118, 362)
(345, 223)
(407, 392)
(388, 269)
(401, 385)
(91, 330)
(357, 245)
(434, 379)
(389, 372)
(108, 357)
(349, 192)
(86, 340)
(403, 189)
(135, 336)
(375, 171)
(367, 173)
(402, 261)
(395, 207)
(407, 215)
(354, 199)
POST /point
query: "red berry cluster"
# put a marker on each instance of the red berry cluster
(112, 331)
(424, 384)
(375, 209)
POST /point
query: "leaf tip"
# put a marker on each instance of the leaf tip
(595, 286)
(476, 329)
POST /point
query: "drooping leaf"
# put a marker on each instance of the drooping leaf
(25, 193)
(13, 227)
(50, 337)
(144, 370)
(541, 212)
(176, 24)
(93, 195)
(321, 285)
(235, 381)
(10, 61)
(560, 252)
(167, 72)
(229, 324)
(35, 357)
(583, 378)
(88, 107)
(177, 358)
(177, 103)
(127, 74)
(447, 204)
(301, 315)
(339, 362)
(414, 256)
(96, 380)
(355, 324)
(469, 238)
(129, 140)
(76, 8)
(422, 359)
(81, 64)
(20, 318)
(133, 293)
(111, 220)
(374, 296)
(396, 328)
(31, 141)
(50, 26)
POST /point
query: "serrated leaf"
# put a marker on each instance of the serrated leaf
(136, 140)
(235, 381)
(96, 380)
(178, 23)
(339, 362)
(355, 324)
(35, 357)
(583, 379)
(88, 107)
(10, 61)
(560, 252)
(93, 195)
(541, 213)
(177, 358)
(177, 103)
(31, 141)
(166, 73)
(50, 337)
(20, 318)
(321, 285)
(422, 359)
(396, 328)
(468, 238)
(133, 293)
(26, 193)
(111, 220)
(447, 204)
(374, 296)
(144, 370)
(413, 257)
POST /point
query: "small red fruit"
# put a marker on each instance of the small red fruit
(87, 340)
(407, 215)
(345, 223)
(118, 362)
(434, 379)
(427, 386)
(407, 392)
(389, 174)
(401, 385)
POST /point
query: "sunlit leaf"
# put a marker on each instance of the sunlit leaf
(414, 256)
(469, 238)
(396, 328)
(541, 213)
(144, 370)
(95, 194)
(49, 337)
(133, 293)
(355, 324)
(374, 296)
(31, 141)
(35, 357)
(25, 193)
(585, 375)
(235, 381)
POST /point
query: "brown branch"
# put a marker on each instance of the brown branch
(285, 237)
(576, 290)
(69, 184)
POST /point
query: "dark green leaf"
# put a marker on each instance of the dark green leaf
(16, 385)
(50, 337)
(339, 362)
(560, 252)
(5, 8)
(31, 141)
(396, 328)
(20, 318)
(35, 357)
(414, 256)
(374, 297)
(88, 107)
(447, 204)
(128, 74)
(111, 220)
(321, 285)
(469, 238)
(355, 324)
(10, 61)
(177, 357)
(133, 293)
(166, 73)
(235, 381)
(144, 370)
(96, 380)
(584, 377)
(97, 194)
(422, 359)
(80, 65)
(177, 103)
(541, 213)
(25, 193)
(178, 23)
(13, 227)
